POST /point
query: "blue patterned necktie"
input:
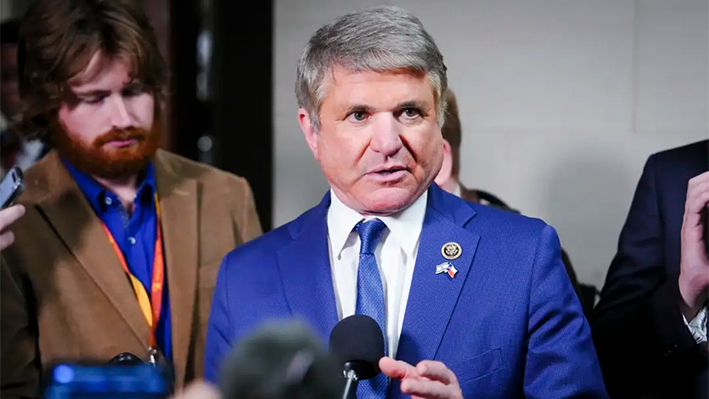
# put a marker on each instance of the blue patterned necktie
(370, 297)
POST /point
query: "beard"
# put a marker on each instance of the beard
(104, 161)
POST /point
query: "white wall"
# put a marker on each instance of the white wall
(561, 101)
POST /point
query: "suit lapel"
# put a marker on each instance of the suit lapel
(433, 297)
(307, 276)
(76, 224)
(178, 204)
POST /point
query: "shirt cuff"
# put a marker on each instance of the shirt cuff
(698, 326)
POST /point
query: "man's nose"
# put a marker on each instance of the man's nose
(120, 118)
(386, 135)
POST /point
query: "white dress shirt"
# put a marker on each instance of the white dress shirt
(698, 326)
(395, 254)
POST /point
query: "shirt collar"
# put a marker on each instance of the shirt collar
(404, 227)
(96, 194)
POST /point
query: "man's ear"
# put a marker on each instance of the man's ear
(311, 135)
(446, 171)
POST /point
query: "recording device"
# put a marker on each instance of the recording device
(11, 187)
(125, 359)
(357, 343)
(280, 360)
(105, 381)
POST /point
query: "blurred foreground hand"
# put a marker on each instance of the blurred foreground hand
(199, 390)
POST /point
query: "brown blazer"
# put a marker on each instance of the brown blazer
(64, 294)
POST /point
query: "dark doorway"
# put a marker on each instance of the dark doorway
(222, 85)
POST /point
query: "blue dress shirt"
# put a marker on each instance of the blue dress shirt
(135, 235)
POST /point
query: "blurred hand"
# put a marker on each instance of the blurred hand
(7, 217)
(199, 390)
(694, 265)
(428, 380)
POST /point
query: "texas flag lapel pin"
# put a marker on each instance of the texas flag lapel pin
(448, 268)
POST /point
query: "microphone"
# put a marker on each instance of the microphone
(357, 343)
(280, 360)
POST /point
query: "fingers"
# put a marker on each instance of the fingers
(697, 193)
(6, 239)
(426, 389)
(10, 215)
(693, 278)
(199, 390)
(436, 371)
(429, 379)
(698, 180)
(396, 368)
(696, 201)
(7, 217)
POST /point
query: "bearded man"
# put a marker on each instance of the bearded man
(120, 245)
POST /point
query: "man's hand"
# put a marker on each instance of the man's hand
(428, 380)
(694, 265)
(199, 390)
(7, 217)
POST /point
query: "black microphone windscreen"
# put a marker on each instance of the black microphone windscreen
(280, 360)
(358, 338)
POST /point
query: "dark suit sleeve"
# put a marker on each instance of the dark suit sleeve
(561, 361)
(19, 376)
(638, 328)
(218, 342)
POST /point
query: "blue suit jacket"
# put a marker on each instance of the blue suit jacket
(509, 324)
(642, 341)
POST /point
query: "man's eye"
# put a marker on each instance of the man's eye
(358, 116)
(411, 113)
(94, 100)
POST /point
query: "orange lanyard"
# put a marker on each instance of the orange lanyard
(151, 306)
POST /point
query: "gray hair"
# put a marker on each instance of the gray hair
(379, 39)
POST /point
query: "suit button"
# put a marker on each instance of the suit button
(131, 240)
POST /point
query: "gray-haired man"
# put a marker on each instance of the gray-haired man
(473, 301)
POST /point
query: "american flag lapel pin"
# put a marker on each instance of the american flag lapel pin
(443, 268)
(448, 268)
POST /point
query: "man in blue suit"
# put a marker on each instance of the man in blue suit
(650, 325)
(473, 301)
